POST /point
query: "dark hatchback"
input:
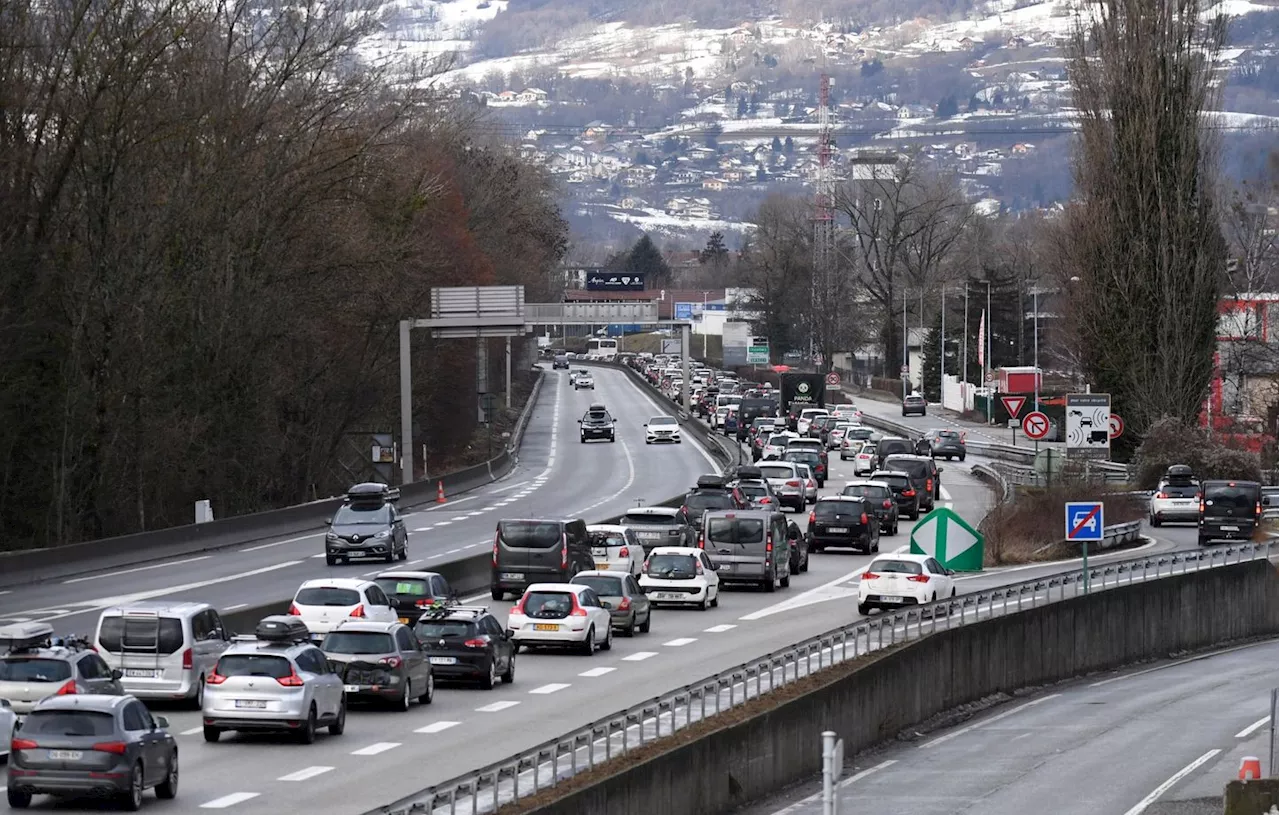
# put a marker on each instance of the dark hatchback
(904, 493)
(844, 520)
(924, 473)
(1229, 510)
(914, 404)
(596, 424)
(892, 446)
(467, 642)
(411, 593)
(946, 444)
(881, 500)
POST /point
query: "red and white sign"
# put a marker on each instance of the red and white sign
(833, 378)
(1116, 426)
(1013, 404)
(1036, 425)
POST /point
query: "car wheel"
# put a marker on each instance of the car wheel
(131, 801)
(18, 799)
(330, 561)
(864, 609)
(197, 700)
(391, 555)
(497, 594)
(212, 734)
(490, 679)
(629, 630)
(804, 561)
(715, 599)
(428, 696)
(340, 726)
(168, 788)
(876, 548)
(786, 579)
(1155, 520)
(953, 591)
(307, 733)
(895, 527)
(607, 645)
(404, 552)
(589, 644)
(509, 675)
(644, 626)
(705, 604)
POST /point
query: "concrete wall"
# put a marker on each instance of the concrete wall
(896, 690)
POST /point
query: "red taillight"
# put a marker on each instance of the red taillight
(1202, 507)
(476, 643)
(625, 605)
(768, 544)
(564, 551)
(518, 608)
(870, 576)
(358, 611)
(702, 544)
(67, 689)
(888, 505)
(117, 747)
(697, 567)
(766, 500)
(215, 678)
(812, 517)
(292, 680)
(624, 552)
(578, 611)
(908, 493)
(390, 662)
(793, 483)
(188, 659)
(495, 548)
(864, 519)
(293, 610)
(919, 578)
(424, 602)
(1161, 495)
(23, 744)
(928, 485)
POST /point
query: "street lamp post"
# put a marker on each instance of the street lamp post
(903, 374)
(990, 389)
(964, 350)
(942, 352)
(1035, 340)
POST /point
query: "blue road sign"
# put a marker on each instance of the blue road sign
(1084, 521)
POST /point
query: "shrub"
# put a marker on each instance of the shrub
(1171, 441)
(1031, 528)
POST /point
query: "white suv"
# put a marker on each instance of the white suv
(323, 604)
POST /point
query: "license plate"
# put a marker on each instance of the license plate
(444, 660)
(599, 551)
(884, 599)
(838, 530)
(649, 535)
(251, 704)
(351, 688)
(141, 673)
(512, 576)
(546, 627)
(667, 595)
(603, 567)
(65, 755)
(1230, 529)
(404, 620)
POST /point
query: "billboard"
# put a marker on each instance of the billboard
(737, 339)
(600, 280)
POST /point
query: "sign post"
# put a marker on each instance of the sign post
(1085, 522)
(832, 770)
(1013, 405)
(946, 537)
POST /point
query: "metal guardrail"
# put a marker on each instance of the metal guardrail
(555, 761)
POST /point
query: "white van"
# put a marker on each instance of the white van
(164, 649)
(724, 400)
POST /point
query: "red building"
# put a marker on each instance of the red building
(1245, 391)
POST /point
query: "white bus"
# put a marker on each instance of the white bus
(602, 349)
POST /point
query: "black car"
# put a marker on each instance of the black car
(843, 520)
(712, 492)
(596, 423)
(467, 642)
(946, 444)
(914, 404)
(799, 544)
(881, 500)
(904, 493)
(924, 473)
(890, 446)
(411, 592)
(561, 361)
(527, 551)
(367, 525)
(1229, 510)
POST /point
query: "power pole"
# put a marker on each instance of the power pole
(822, 309)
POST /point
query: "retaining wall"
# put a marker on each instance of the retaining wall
(903, 687)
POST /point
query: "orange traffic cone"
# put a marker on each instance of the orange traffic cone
(1250, 768)
(439, 492)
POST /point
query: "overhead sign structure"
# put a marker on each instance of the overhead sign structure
(1089, 425)
(1116, 426)
(1084, 521)
(600, 280)
(688, 311)
(1036, 425)
(1013, 404)
(946, 537)
(833, 378)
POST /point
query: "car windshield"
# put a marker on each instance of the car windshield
(776, 471)
(641, 519)
(895, 567)
(875, 493)
(441, 629)
(359, 642)
(662, 421)
(69, 723)
(404, 586)
(603, 586)
(275, 667)
(360, 515)
(735, 530)
(327, 596)
(831, 509)
(671, 565)
(699, 502)
(548, 604)
(530, 534)
(25, 669)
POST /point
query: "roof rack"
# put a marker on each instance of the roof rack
(712, 481)
(442, 610)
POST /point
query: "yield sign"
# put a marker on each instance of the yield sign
(944, 536)
(1013, 404)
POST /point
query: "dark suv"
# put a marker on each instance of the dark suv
(467, 642)
(537, 551)
(1229, 510)
(890, 446)
(915, 403)
(713, 492)
(596, 423)
(880, 497)
(367, 525)
(924, 475)
(904, 494)
(844, 520)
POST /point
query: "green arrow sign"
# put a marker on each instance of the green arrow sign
(944, 535)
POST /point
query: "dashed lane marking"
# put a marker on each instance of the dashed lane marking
(552, 688)
(437, 727)
(496, 706)
(230, 800)
(598, 671)
(719, 629)
(680, 641)
(304, 774)
(639, 656)
(375, 749)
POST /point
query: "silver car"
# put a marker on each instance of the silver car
(278, 683)
(163, 649)
(381, 662)
(788, 484)
(659, 526)
(629, 607)
(36, 665)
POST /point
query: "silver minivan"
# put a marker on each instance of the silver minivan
(748, 546)
(165, 650)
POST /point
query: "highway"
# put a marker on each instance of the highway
(1160, 740)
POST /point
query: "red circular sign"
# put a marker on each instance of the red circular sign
(1036, 425)
(1115, 425)
(833, 378)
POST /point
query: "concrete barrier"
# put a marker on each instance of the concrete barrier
(773, 742)
(1256, 797)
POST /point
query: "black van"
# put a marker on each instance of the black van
(925, 476)
(533, 551)
(893, 446)
(1229, 510)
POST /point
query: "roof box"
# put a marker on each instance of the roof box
(372, 492)
(282, 628)
(22, 636)
(711, 481)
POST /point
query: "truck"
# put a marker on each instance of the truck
(800, 391)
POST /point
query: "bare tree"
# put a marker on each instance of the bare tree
(777, 263)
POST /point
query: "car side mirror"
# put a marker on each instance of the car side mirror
(579, 421)
(646, 424)
(4, 703)
(161, 723)
(116, 673)
(939, 471)
(328, 522)
(951, 571)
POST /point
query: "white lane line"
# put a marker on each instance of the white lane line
(436, 555)
(475, 514)
(280, 543)
(1248, 731)
(471, 546)
(443, 523)
(192, 731)
(230, 800)
(510, 486)
(457, 518)
(450, 502)
(943, 494)
(715, 466)
(508, 501)
(490, 509)
(679, 641)
(437, 727)
(949, 736)
(423, 529)
(598, 672)
(496, 706)
(639, 656)
(817, 796)
(236, 606)
(719, 629)
(375, 749)
(1173, 779)
(466, 601)
(414, 562)
(131, 571)
(319, 555)
(6, 591)
(453, 551)
(303, 775)
(552, 688)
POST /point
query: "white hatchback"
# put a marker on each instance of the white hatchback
(616, 549)
(680, 575)
(864, 457)
(322, 604)
(561, 614)
(893, 581)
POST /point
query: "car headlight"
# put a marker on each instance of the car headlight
(331, 536)
(383, 535)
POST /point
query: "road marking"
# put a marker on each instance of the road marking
(817, 796)
(471, 545)
(1195, 658)
(552, 688)
(453, 551)
(6, 591)
(423, 529)
(137, 569)
(719, 629)
(443, 523)
(236, 606)
(319, 555)
(949, 736)
(697, 445)
(375, 749)
(598, 672)
(475, 514)
(496, 706)
(414, 562)
(457, 518)
(943, 494)
(192, 731)
(676, 643)
(303, 775)
(639, 656)
(230, 800)
(510, 486)
(1173, 779)
(1248, 731)
(450, 503)
(437, 727)
(280, 543)
(831, 590)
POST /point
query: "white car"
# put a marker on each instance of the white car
(574, 375)
(848, 413)
(836, 437)
(1171, 503)
(680, 575)
(8, 725)
(324, 603)
(777, 444)
(863, 455)
(717, 418)
(561, 614)
(662, 429)
(584, 381)
(616, 549)
(806, 419)
(893, 581)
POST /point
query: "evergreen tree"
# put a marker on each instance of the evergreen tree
(788, 146)
(761, 175)
(777, 145)
(728, 94)
(974, 103)
(780, 110)
(715, 251)
(645, 259)
(742, 107)
(997, 100)
(797, 109)
(929, 362)
(947, 107)
(755, 102)
(711, 136)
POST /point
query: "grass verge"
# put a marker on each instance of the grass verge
(1030, 530)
